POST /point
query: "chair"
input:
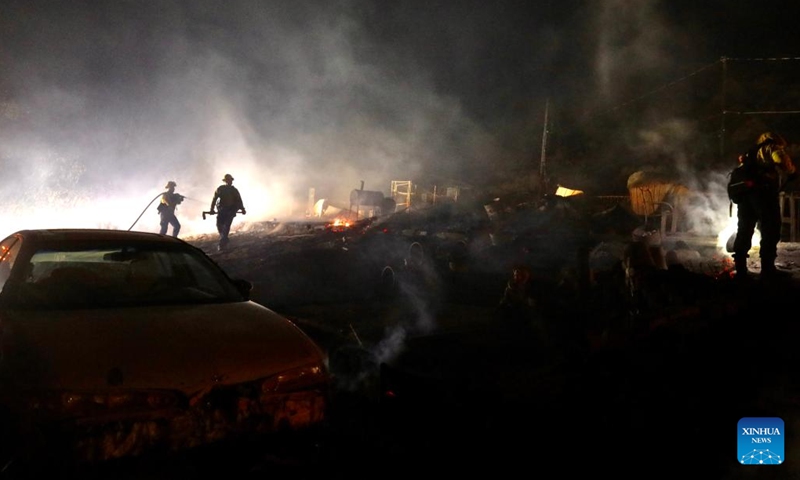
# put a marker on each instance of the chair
(788, 201)
(652, 204)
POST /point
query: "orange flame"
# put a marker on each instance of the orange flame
(341, 223)
(338, 225)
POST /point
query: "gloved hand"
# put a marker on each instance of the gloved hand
(212, 212)
(244, 212)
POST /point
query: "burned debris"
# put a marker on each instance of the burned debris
(595, 262)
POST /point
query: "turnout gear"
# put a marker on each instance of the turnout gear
(741, 266)
(227, 202)
(772, 137)
(760, 207)
(169, 201)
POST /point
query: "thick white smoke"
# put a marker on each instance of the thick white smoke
(283, 98)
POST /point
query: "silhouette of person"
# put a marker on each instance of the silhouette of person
(166, 209)
(760, 206)
(227, 202)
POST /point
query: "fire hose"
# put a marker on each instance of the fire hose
(145, 209)
(156, 198)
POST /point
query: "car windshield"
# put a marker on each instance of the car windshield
(76, 276)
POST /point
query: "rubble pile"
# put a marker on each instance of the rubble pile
(604, 270)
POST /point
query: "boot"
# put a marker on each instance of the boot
(740, 262)
(768, 270)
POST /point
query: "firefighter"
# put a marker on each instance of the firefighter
(760, 206)
(166, 209)
(227, 202)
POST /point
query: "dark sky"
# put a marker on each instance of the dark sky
(102, 102)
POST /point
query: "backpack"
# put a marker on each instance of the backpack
(747, 175)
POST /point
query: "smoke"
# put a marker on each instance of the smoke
(390, 346)
(102, 103)
(109, 102)
(632, 44)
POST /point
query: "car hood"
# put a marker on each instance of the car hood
(187, 348)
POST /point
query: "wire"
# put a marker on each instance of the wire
(145, 209)
(692, 74)
(760, 59)
(656, 90)
(765, 112)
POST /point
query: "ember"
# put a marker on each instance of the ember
(726, 267)
(338, 225)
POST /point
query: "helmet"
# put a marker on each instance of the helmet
(227, 177)
(773, 137)
(170, 184)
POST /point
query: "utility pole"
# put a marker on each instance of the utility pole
(543, 162)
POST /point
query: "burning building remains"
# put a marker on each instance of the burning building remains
(598, 258)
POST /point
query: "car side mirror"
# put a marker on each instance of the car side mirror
(244, 287)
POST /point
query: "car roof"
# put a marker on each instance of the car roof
(89, 234)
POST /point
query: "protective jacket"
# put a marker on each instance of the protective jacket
(227, 197)
(169, 201)
(774, 155)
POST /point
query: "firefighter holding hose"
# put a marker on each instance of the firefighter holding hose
(166, 209)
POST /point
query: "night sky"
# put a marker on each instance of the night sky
(102, 102)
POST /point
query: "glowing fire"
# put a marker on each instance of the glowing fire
(726, 267)
(567, 192)
(338, 225)
(730, 230)
(725, 234)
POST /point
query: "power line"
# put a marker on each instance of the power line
(764, 112)
(660, 88)
(722, 130)
(695, 73)
(761, 59)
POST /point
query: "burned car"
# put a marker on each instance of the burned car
(116, 343)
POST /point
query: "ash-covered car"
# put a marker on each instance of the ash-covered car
(117, 343)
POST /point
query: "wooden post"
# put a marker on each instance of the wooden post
(543, 161)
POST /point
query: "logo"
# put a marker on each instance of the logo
(760, 441)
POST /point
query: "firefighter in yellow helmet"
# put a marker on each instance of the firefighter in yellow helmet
(761, 205)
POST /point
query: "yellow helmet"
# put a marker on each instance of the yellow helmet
(771, 136)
